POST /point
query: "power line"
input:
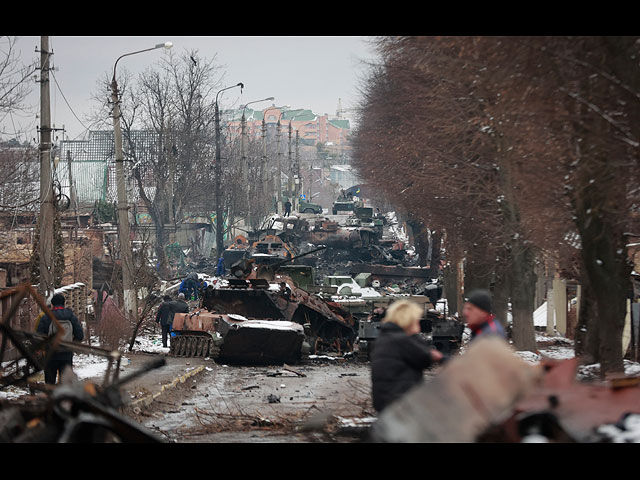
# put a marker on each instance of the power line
(65, 100)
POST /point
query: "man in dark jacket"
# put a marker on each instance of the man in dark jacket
(477, 312)
(179, 306)
(287, 208)
(63, 357)
(165, 318)
(399, 355)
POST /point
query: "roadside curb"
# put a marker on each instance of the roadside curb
(148, 399)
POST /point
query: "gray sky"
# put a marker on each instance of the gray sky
(303, 72)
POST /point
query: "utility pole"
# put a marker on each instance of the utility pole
(218, 173)
(279, 207)
(264, 156)
(245, 165)
(290, 184)
(298, 183)
(46, 285)
(124, 232)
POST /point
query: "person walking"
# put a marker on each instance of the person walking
(179, 305)
(399, 356)
(287, 208)
(478, 313)
(220, 270)
(62, 357)
(165, 318)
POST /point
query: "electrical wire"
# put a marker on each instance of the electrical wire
(67, 102)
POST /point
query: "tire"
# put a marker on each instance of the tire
(308, 210)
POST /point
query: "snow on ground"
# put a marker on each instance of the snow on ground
(626, 431)
(592, 371)
(150, 343)
(90, 366)
(13, 392)
(560, 348)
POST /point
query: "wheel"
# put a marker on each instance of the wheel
(308, 210)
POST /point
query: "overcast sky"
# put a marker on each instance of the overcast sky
(303, 72)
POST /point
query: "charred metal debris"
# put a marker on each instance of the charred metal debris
(72, 411)
(307, 285)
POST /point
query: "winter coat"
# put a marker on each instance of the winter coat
(490, 327)
(165, 314)
(397, 363)
(179, 306)
(220, 270)
(62, 313)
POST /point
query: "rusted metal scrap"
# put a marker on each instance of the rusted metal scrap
(71, 411)
(31, 344)
(251, 321)
(74, 412)
(235, 339)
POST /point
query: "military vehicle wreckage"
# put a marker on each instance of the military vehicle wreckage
(252, 320)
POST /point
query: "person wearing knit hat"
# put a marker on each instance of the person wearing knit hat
(478, 313)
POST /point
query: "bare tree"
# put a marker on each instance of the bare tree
(14, 77)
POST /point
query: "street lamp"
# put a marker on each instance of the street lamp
(295, 169)
(264, 153)
(128, 273)
(245, 165)
(218, 173)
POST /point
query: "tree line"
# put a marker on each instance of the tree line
(515, 151)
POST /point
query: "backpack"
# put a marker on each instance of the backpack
(67, 336)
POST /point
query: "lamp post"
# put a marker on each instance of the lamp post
(264, 152)
(279, 174)
(128, 273)
(295, 168)
(218, 173)
(245, 165)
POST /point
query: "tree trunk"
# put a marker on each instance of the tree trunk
(523, 283)
(478, 270)
(608, 274)
(500, 295)
(436, 242)
(420, 240)
(451, 286)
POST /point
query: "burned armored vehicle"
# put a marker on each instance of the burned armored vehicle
(235, 339)
(444, 333)
(257, 321)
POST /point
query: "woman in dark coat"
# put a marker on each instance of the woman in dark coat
(399, 356)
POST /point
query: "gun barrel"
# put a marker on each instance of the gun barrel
(282, 262)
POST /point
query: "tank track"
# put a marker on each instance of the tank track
(195, 345)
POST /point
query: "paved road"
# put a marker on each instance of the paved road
(254, 404)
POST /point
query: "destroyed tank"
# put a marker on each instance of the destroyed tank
(252, 321)
(236, 339)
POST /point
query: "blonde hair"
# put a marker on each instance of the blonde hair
(403, 313)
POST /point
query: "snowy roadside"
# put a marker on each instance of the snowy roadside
(93, 366)
(560, 348)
